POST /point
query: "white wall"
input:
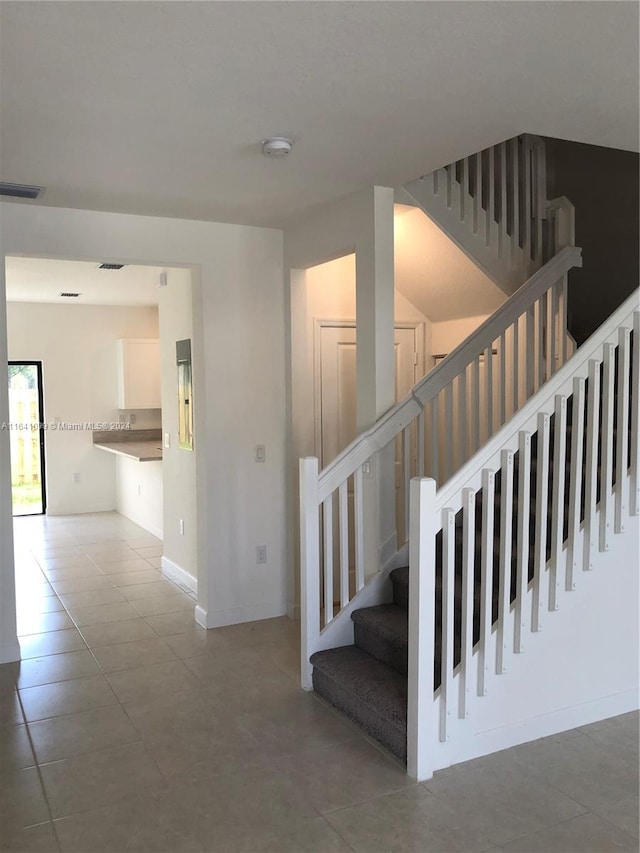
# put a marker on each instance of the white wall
(76, 345)
(179, 466)
(139, 492)
(446, 335)
(239, 367)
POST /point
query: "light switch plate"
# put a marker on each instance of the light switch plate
(167, 439)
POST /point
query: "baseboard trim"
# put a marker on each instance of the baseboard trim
(179, 575)
(237, 615)
(10, 652)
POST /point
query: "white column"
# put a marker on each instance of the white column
(9, 648)
(376, 368)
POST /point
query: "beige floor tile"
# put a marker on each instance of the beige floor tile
(66, 697)
(71, 586)
(119, 567)
(309, 835)
(172, 623)
(10, 710)
(152, 551)
(29, 604)
(144, 542)
(164, 604)
(22, 800)
(231, 665)
(32, 839)
(196, 641)
(256, 634)
(270, 690)
(104, 613)
(335, 777)
(230, 812)
(86, 731)
(109, 633)
(69, 560)
(142, 824)
(99, 779)
(156, 562)
(50, 643)
(183, 711)
(149, 682)
(624, 813)
(81, 601)
(85, 571)
(41, 623)
(133, 655)
(584, 834)
(52, 668)
(135, 578)
(108, 552)
(15, 749)
(149, 590)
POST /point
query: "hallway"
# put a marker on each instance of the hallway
(129, 728)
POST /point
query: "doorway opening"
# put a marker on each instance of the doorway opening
(27, 431)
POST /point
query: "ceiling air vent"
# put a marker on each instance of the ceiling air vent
(69, 295)
(19, 190)
(110, 266)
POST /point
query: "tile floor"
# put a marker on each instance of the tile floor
(128, 728)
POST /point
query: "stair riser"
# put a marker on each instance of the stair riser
(392, 738)
(380, 648)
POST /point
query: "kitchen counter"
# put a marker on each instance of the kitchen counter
(142, 451)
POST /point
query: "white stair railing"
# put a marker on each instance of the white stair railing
(493, 205)
(447, 417)
(555, 508)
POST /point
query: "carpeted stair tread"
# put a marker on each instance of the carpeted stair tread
(400, 576)
(389, 621)
(400, 580)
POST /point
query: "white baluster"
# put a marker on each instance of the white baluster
(575, 483)
(526, 201)
(422, 722)
(327, 512)
(406, 477)
(421, 462)
(491, 203)
(530, 352)
(309, 567)
(468, 559)
(343, 511)
(515, 196)
(462, 418)
(435, 433)
(542, 497)
(502, 396)
(622, 438)
(506, 544)
(591, 468)
(488, 380)
(486, 578)
(562, 311)
(358, 511)
(606, 465)
(634, 485)
(524, 518)
(475, 405)
(557, 513)
(448, 592)
(504, 221)
(448, 431)
(516, 365)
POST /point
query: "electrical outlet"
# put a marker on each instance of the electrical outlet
(181, 526)
(167, 439)
(261, 554)
(261, 453)
(133, 418)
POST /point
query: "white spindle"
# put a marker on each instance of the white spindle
(406, 476)
(422, 721)
(554, 331)
(488, 391)
(557, 505)
(515, 205)
(530, 352)
(477, 193)
(575, 482)
(491, 201)
(468, 558)
(464, 189)
(475, 405)
(486, 578)
(448, 592)
(542, 496)
(450, 178)
(448, 431)
(462, 418)
(516, 366)
(421, 466)
(564, 331)
(502, 356)
(524, 518)
(343, 514)
(358, 512)
(591, 467)
(327, 513)
(606, 466)
(504, 221)
(622, 437)
(435, 433)
(541, 308)
(634, 485)
(506, 543)
(527, 197)
(309, 566)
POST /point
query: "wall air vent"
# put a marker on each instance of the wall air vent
(69, 295)
(110, 266)
(19, 190)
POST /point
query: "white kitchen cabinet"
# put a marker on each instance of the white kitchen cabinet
(138, 373)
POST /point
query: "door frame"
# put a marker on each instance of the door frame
(320, 323)
(41, 431)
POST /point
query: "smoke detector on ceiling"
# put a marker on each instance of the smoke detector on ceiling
(110, 266)
(277, 146)
(69, 295)
(19, 190)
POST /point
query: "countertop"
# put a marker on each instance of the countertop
(142, 451)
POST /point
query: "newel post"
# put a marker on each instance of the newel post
(309, 567)
(422, 723)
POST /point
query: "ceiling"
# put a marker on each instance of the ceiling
(158, 108)
(43, 279)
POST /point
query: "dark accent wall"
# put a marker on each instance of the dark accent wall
(602, 183)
